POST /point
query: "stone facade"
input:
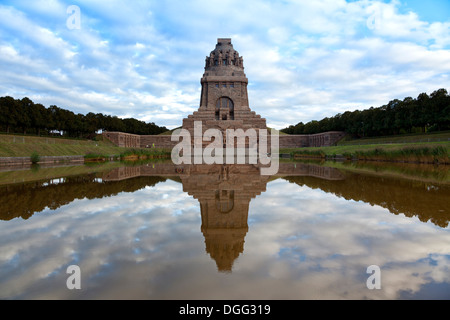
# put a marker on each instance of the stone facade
(224, 104)
(325, 139)
(125, 140)
(164, 141)
(224, 98)
(159, 141)
(137, 141)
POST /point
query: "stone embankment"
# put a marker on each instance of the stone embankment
(25, 161)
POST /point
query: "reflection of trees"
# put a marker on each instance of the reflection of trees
(427, 201)
(423, 172)
(26, 199)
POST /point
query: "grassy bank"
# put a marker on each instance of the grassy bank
(433, 152)
(19, 146)
(443, 136)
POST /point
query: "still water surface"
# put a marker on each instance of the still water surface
(156, 231)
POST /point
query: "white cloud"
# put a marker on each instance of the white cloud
(316, 58)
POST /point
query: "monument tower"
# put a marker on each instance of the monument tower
(223, 105)
(224, 98)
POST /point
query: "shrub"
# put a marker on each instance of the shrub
(92, 155)
(35, 158)
(347, 155)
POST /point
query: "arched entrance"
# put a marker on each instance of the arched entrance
(224, 109)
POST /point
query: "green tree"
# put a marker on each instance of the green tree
(423, 118)
(25, 106)
(39, 118)
(438, 103)
(92, 124)
(8, 113)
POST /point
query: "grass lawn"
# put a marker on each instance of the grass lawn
(42, 149)
(342, 149)
(443, 136)
(24, 146)
(424, 152)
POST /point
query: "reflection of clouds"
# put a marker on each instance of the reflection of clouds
(302, 243)
(93, 233)
(333, 241)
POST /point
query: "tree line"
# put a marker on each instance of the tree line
(425, 113)
(26, 117)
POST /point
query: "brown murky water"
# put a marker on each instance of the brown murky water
(158, 231)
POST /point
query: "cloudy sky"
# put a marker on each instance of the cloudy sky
(305, 60)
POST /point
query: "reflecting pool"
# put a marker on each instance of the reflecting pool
(160, 231)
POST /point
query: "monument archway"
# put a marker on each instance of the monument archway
(224, 109)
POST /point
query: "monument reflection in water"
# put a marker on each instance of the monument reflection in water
(152, 231)
(224, 193)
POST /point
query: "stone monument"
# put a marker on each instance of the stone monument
(224, 99)
(224, 104)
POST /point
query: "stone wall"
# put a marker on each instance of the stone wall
(127, 140)
(159, 141)
(124, 140)
(294, 141)
(325, 139)
(44, 160)
(164, 141)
